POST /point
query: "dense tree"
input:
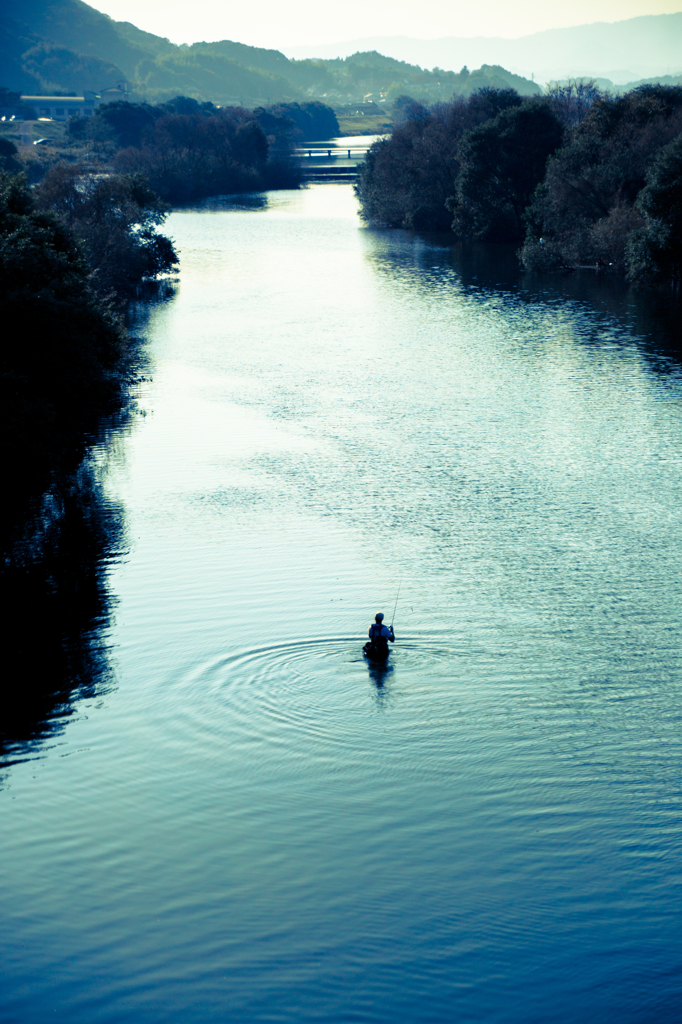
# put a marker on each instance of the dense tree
(65, 364)
(407, 178)
(129, 122)
(654, 252)
(403, 107)
(11, 105)
(93, 134)
(125, 124)
(188, 149)
(286, 125)
(572, 100)
(62, 365)
(187, 105)
(9, 157)
(280, 130)
(188, 156)
(591, 179)
(115, 217)
(502, 162)
(585, 210)
(9, 100)
(314, 120)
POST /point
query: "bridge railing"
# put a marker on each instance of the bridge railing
(356, 153)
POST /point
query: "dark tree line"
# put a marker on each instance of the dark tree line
(408, 178)
(596, 204)
(578, 177)
(9, 157)
(470, 165)
(11, 105)
(501, 163)
(312, 121)
(115, 218)
(65, 364)
(188, 150)
(71, 252)
(187, 156)
(654, 250)
(62, 362)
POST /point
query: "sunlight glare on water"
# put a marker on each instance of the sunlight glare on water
(252, 823)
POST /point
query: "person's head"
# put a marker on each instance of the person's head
(379, 617)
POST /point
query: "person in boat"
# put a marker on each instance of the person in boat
(379, 635)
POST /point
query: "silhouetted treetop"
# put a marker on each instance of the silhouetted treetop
(586, 208)
(502, 161)
(408, 177)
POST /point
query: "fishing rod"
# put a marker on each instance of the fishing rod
(396, 601)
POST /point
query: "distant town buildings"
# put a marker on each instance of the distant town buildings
(61, 108)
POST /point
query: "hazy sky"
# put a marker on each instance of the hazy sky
(279, 24)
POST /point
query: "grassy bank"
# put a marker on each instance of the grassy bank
(369, 124)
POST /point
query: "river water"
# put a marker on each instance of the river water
(240, 819)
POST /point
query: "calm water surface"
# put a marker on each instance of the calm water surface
(247, 823)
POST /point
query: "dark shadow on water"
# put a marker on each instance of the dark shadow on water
(59, 533)
(379, 671)
(213, 204)
(149, 296)
(648, 319)
(154, 293)
(380, 676)
(56, 610)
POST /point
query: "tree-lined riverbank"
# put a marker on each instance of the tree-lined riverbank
(576, 177)
(240, 820)
(72, 252)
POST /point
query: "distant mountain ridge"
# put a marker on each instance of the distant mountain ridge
(66, 45)
(634, 48)
(124, 52)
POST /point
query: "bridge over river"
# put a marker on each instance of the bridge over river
(335, 159)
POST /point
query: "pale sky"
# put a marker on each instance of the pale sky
(278, 24)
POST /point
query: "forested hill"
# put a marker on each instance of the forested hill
(67, 46)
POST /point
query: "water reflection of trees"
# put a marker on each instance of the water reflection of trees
(66, 379)
(648, 319)
(58, 533)
(56, 605)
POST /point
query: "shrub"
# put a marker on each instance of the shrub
(654, 252)
(502, 162)
(406, 179)
(189, 156)
(63, 364)
(586, 206)
(115, 217)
